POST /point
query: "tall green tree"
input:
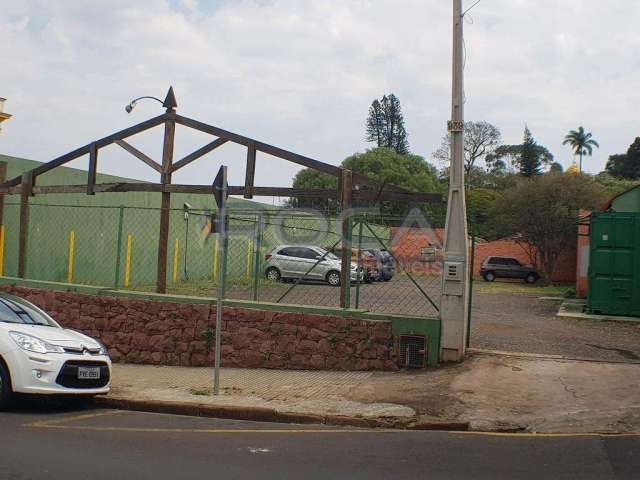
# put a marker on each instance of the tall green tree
(523, 157)
(581, 143)
(384, 166)
(530, 163)
(385, 124)
(542, 211)
(626, 165)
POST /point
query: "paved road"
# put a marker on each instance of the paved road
(524, 323)
(39, 442)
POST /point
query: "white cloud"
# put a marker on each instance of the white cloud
(301, 74)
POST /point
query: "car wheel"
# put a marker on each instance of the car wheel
(6, 392)
(273, 274)
(531, 278)
(386, 279)
(489, 276)
(333, 278)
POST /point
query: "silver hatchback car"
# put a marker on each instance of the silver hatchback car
(310, 262)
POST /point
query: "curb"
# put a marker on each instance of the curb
(543, 356)
(261, 414)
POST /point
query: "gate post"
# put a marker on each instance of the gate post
(345, 266)
(26, 188)
(165, 205)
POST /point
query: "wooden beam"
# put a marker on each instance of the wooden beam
(165, 205)
(260, 146)
(198, 153)
(25, 192)
(93, 165)
(78, 152)
(235, 190)
(250, 173)
(139, 155)
(345, 265)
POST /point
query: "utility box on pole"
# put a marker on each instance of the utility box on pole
(455, 284)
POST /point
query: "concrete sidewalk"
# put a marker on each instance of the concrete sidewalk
(486, 392)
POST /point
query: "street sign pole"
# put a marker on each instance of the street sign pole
(220, 192)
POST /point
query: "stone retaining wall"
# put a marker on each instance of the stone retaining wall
(166, 333)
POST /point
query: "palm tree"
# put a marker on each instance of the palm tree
(581, 142)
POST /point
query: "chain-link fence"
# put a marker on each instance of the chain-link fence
(279, 256)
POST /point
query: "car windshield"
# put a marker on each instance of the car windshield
(15, 310)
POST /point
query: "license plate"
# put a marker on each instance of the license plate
(88, 373)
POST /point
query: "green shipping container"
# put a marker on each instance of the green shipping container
(614, 267)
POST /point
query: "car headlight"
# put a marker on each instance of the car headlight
(103, 349)
(34, 344)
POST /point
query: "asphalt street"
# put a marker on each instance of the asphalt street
(44, 442)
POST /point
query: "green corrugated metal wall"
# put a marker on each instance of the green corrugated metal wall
(614, 267)
(94, 220)
(96, 230)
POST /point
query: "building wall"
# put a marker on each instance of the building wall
(628, 201)
(407, 244)
(583, 255)
(168, 333)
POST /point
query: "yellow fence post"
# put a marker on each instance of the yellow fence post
(1, 250)
(176, 252)
(215, 261)
(127, 264)
(249, 255)
(72, 251)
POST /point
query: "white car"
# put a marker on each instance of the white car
(38, 356)
(307, 261)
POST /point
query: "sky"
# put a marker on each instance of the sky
(301, 74)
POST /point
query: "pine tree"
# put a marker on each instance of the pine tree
(530, 163)
(375, 122)
(385, 124)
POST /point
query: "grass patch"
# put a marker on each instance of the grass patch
(501, 286)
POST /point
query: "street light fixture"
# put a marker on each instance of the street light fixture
(3, 116)
(169, 102)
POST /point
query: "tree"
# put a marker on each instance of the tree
(581, 142)
(309, 179)
(530, 162)
(543, 210)
(556, 167)
(480, 139)
(614, 185)
(626, 165)
(382, 165)
(480, 202)
(385, 124)
(512, 155)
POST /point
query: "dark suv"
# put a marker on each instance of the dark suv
(507, 267)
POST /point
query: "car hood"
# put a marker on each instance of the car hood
(53, 335)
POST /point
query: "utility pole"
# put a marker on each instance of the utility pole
(455, 284)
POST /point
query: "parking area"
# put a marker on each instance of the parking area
(509, 319)
(402, 295)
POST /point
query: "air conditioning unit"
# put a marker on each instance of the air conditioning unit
(412, 351)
